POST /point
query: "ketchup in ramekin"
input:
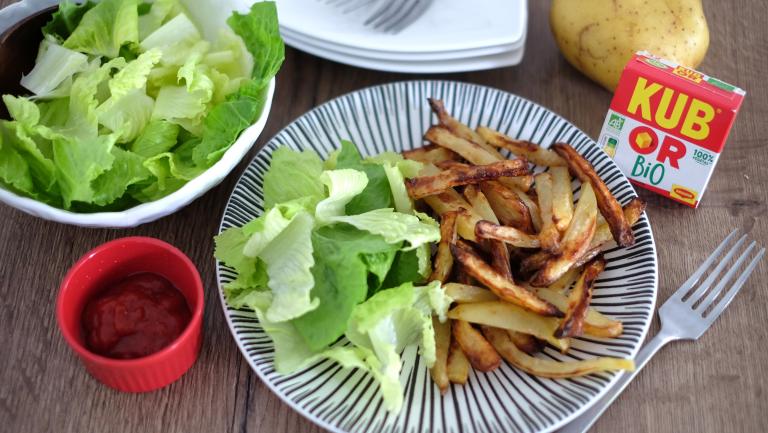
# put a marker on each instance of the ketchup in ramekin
(135, 317)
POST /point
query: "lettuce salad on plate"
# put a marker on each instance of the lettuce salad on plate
(339, 251)
(129, 101)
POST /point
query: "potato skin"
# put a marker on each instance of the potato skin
(598, 37)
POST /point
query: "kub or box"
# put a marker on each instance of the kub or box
(667, 126)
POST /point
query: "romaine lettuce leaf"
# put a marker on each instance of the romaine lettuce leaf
(104, 28)
(260, 32)
(65, 19)
(292, 175)
(393, 226)
(341, 274)
(159, 136)
(343, 185)
(53, 66)
(377, 194)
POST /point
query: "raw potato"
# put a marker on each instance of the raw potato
(598, 37)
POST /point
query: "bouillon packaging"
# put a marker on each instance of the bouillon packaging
(667, 126)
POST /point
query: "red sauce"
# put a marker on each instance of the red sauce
(136, 317)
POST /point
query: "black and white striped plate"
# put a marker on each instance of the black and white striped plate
(394, 117)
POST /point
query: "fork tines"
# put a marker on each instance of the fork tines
(710, 301)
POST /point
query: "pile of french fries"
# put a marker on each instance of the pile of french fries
(516, 255)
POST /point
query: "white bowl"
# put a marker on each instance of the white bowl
(153, 210)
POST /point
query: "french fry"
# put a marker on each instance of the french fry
(510, 235)
(461, 276)
(578, 301)
(609, 207)
(549, 234)
(499, 251)
(550, 368)
(507, 205)
(562, 197)
(602, 238)
(520, 183)
(500, 259)
(532, 152)
(465, 293)
(444, 259)
(459, 128)
(450, 200)
(533, 208)
(566, 281)
(632, 212)
(480, 353)
(430, 154)
(502, 287)
(576, 240)
(439, 370)
(468, 150)
(525, 342)
(423, 186)
(457, 365)
(479, 203)
(500, 314)
(595, 323)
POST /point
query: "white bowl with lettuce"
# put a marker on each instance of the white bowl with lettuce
(135, 109)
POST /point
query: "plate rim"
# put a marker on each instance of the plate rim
(452, 83)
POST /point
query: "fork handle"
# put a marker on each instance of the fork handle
(583, 422)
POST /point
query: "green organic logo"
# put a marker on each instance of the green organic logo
(656, 63)
(616, 122)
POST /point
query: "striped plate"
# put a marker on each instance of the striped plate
(394, 117)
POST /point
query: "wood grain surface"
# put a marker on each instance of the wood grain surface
(718, 384)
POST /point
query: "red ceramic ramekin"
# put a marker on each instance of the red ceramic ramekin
(110, 263)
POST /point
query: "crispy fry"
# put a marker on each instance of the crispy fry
(533, 209)
(459, 128)
(578, 301)
(532, 152)
(423, 186)
(566, 281)
(520, 183)
(458, 365)
(510, 235)
(500, 259)
(562, 197)
(480, 353)
(507, 205)
(595, 323)
(480, 203)
(499, 251)
(609, 207)
(461, 276)
(502, 287)
(525, 342)
(632, 212)
(450, 200)
(602, 237)
(430, 154)
(500, 314)
(549, 235)
(576, 240)
(550, 368)
(468, 150)
(444, 259)
(439, 370)
(465, 293)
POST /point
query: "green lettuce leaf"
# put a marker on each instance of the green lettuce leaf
(292, 175)
(66, 18)
(159, 10)
(341, 274)
(54, 65)
(158, 137)
(178, 32)
(377, 194)
(104, 28)
(127, 169)
(260, 31)
(393, 226)
(79, 162)
(343, 185)
(391, 320)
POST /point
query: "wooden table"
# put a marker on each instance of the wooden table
(718, 384)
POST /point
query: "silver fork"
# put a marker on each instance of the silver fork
(685, 316)
(391, 16)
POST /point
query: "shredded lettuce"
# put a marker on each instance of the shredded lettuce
(129, 101)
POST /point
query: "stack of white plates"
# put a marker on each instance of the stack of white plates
(451, 36)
